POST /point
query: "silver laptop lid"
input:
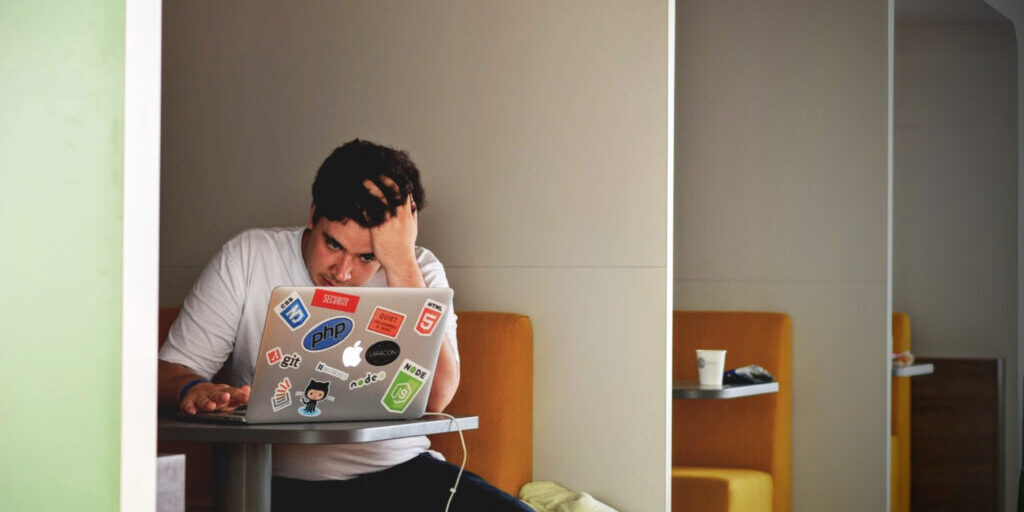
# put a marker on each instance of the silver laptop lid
(332, 354)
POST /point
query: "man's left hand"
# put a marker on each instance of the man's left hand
(394, 240)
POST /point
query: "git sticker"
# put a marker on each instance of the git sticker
(292, 311)
(404, 387)
(386, 322)
(274, 356)
(431, 314)
(282, 398)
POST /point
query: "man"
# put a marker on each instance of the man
(361, 231)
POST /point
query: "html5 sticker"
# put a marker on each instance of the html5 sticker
(335, 300)
(429, 317)
(385, 322)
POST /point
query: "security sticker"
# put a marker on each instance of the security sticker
(386, 322)
(327, 334)
(404, 387)
(382, 353)
(334, 300)
(292, 311)
(281, 398)
(330, 370)
(431, 314)
(315, 392)
(369, 379)
(274, 356)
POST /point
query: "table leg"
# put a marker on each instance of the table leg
(243, 477)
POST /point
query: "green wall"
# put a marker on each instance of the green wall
(61, 166)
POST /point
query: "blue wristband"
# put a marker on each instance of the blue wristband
(181, 395)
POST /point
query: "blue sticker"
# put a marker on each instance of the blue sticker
(327, 334)
(292, 311)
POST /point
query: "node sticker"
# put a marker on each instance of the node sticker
(281, 398)
(292, 311)
(386, 322)
(431, 314)
(316, 392)
(335, 300)
(330, 370)
(274, 356)
(369, 379)
(404, 387)
(327, 334)
(382, 353)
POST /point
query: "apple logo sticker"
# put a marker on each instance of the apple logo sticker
(350, 357)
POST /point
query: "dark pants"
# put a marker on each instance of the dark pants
(421, 484)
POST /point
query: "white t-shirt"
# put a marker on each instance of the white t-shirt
(222, 321)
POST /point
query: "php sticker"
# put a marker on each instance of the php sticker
(292, 311)
(282, 398)
(382, 353)
(404, 387)
(386, 322)
(429, 317)
(369, 379)
(335, 300)
(330, 370)
(316, 391)
(327, 334)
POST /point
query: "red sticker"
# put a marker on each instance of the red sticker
(334, 300)
(429, 317)
(274, 356)
(386, 322)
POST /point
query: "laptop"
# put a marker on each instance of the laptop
(341, 354)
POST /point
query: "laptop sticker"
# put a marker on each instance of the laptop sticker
(431, 314)
(382, 353)
(274, 356)
(291, 360)
(327, 334)
(315, 393)
(404, 387)
(369, 379)
(292, 311)
(386, 322)
(350, 356)
(282, 398)
(334, 300)
(330, 370)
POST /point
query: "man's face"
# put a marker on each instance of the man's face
(338, 253)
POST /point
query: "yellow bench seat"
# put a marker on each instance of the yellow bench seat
(703, 489)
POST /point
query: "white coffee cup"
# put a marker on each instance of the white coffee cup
(710, 367)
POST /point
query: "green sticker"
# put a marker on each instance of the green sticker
(404, 387)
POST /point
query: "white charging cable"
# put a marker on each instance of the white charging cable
(462, 439)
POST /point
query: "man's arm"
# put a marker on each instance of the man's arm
(203, 396)
(394, 246)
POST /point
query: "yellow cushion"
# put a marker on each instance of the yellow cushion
(701, 489)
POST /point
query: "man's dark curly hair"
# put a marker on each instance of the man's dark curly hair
(339, 193)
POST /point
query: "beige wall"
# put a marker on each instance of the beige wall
(541, 130)
(781, 205)
(955, 197)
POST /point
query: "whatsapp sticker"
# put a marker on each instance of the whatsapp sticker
(404, 386)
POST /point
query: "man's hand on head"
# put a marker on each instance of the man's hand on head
(394, 240)
(209, 397)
